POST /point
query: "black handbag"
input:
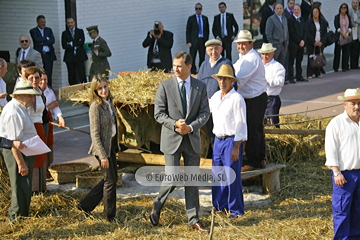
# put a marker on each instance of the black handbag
(317, 60)
(331, 38)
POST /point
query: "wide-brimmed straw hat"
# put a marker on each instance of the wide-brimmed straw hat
(225, 71)
(244, 36)
(350, 94)
(266, 48)
(24, 87)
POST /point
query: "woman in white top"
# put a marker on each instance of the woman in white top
(316, 29)
(53, 109)
(38, 115)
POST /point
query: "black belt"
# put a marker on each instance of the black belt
(224, 137)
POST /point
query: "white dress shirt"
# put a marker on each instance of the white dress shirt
(212, 64)
(26, 53)
(250, 72)
(275, 77)
(342, 141)
(229, 115)
(3, 101)
(187, 88)
(15, 122)
(45, 48)
(50, 97)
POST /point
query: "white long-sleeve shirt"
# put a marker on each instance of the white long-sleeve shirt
(50, 97)
(250, 72)
(342, 141)
(229, 115)
(275, 77)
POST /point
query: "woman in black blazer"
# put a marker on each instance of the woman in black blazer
(316, 29)
(343, 26)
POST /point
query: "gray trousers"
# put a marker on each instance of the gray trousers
(20, 185)
(280, 55)
(191, 158)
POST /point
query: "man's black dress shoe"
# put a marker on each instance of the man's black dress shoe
(154, 216)
(302, 80)
(200, 227)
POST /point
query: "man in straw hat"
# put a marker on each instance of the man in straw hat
(250, 72)
(16, 124)
(100, 52)
(229, 116)
(207, 69)
(342, 142)
(275, 78)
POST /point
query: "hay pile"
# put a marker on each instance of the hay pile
(300, 210)
(135, 90)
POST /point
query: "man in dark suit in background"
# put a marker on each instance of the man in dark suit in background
(305, 9)
(72, 40)
(289, 10)
(182, 108)
(267, 12)
(43, 39)
(296, 26)
(225, 29)
(160, 43)
(197, 33)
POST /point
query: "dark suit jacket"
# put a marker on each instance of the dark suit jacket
(192, 29)
(231, 26)
(78, 42)
(165, 44)
(264, 16)
(305, 10)
(286, 13)
(168, 109)
(40, 41)
(296, 31)
(310, 30)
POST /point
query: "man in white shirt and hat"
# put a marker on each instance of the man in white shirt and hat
(16, 124)
(250, 72)
(229, 116)
(275, 78)
(342, 140)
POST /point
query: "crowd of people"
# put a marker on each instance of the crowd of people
(230, 99)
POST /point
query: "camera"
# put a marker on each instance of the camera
(157, 31)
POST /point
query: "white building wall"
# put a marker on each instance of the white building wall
(17, 17)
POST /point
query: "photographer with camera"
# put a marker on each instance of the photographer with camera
(160, 43)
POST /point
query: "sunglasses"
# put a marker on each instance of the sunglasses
(198, 8)
(343, 7)
(22, 41)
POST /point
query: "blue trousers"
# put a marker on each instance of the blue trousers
(273, 108)
(346, 206)
(227, 197)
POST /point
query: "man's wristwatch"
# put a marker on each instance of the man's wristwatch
(336, 174)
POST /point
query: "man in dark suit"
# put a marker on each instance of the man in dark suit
(27, 52)
(197, 33)
(160, 43)
(296, 25)
(225, 29)
(43, 39)
(305, 9)
(100, 51)
(289, 10)
(267, 12)
(72, 40)
(277, 34)
(182, 108)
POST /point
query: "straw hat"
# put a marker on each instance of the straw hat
(244, 36)
(350, 94)
(266, 48)
(213, 42)
(24, 87)
(225, 71)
